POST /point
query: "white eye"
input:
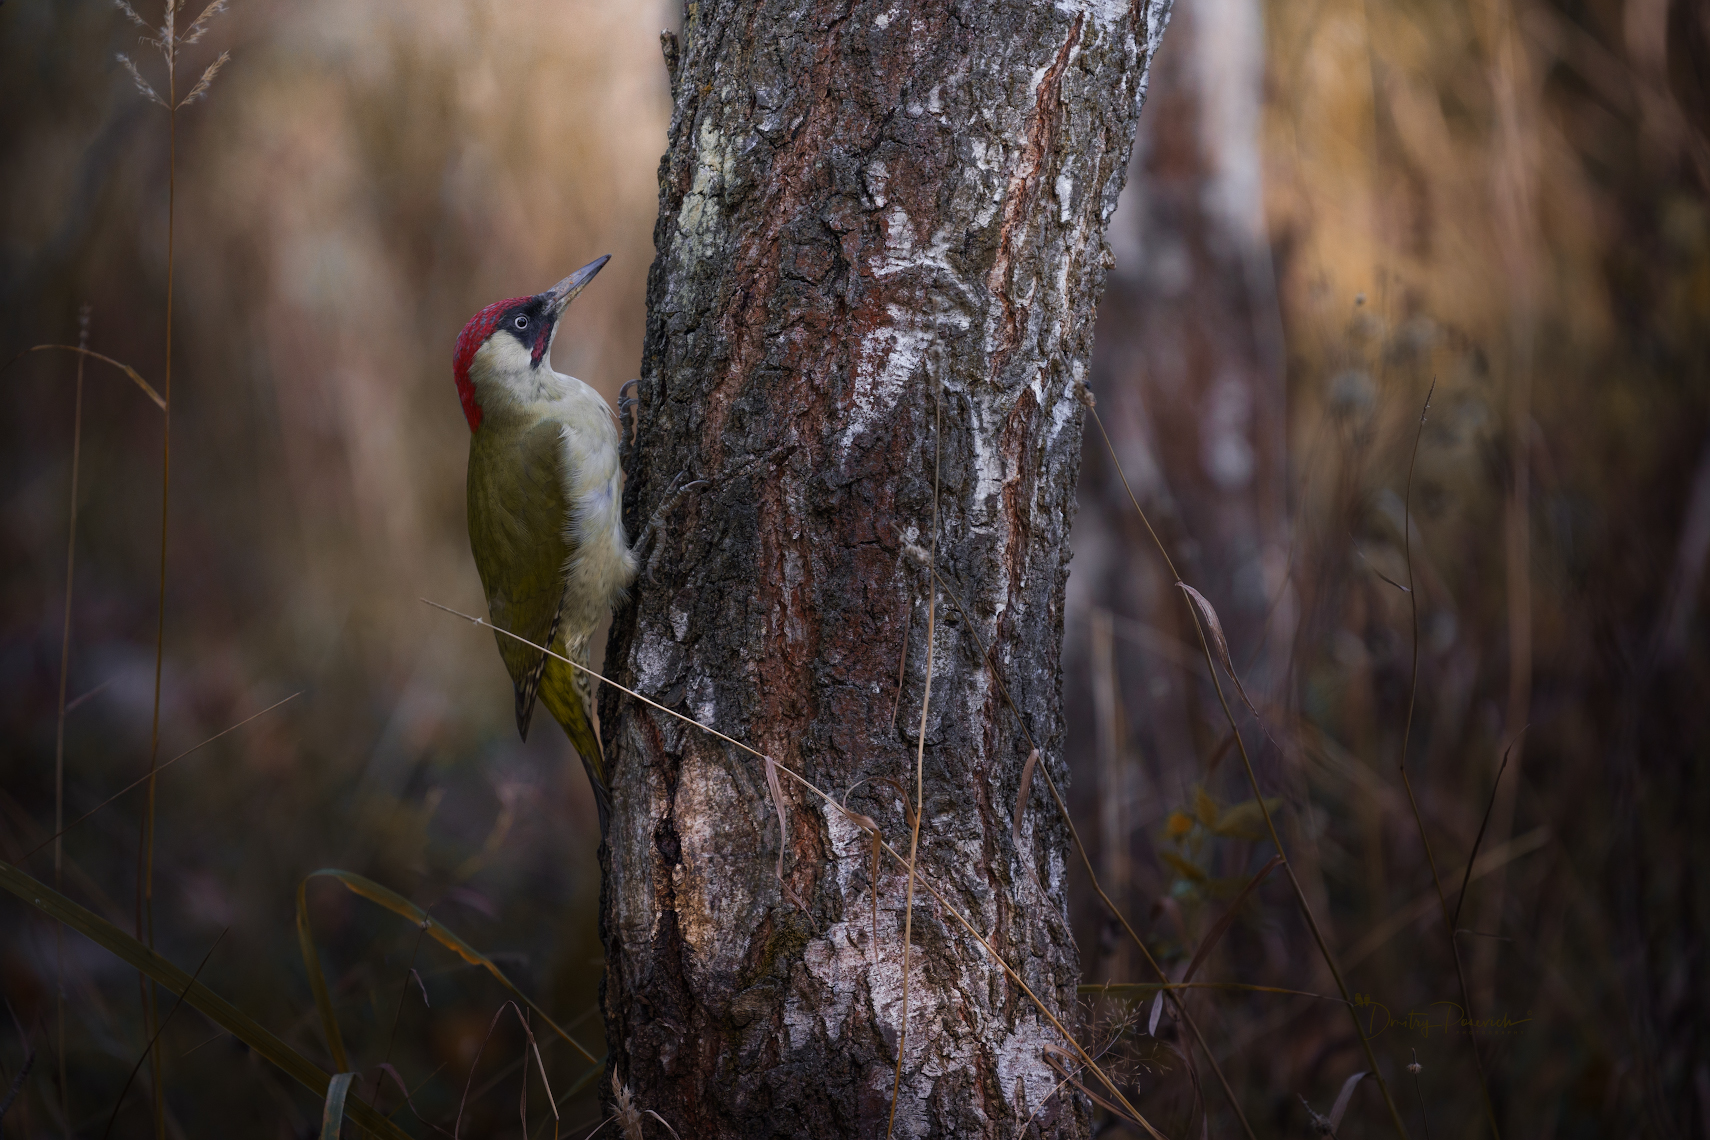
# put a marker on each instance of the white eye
(521, 322)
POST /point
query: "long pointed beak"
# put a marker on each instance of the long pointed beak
(561, 294)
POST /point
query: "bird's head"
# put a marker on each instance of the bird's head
(502, 349)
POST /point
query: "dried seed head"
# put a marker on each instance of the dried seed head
(623, 1108)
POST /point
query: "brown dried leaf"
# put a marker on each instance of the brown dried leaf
(783, 827)
(1342, 1098)
(1213, 628)
(1021, 796)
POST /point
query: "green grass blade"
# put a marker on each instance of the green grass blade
(221, 1012)
(403, 907)
(332, 1117)
(318, 981)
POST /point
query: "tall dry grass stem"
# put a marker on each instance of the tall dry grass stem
(1407, 781)
(920, 745)
(1253, 782)
(167, 42)
(59, 733)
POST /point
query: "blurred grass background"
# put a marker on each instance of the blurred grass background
(1333, 205)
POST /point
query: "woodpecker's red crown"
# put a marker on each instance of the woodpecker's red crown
(533, 321)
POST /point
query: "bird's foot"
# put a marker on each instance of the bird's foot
(656, 523)
(629, 421)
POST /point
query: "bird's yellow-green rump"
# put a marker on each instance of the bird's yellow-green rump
(545, 518)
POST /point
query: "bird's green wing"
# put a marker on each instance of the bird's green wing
(520, 535)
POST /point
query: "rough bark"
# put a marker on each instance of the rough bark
(870, 215)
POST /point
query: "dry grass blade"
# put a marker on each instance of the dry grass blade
(457, 1126)
(777, 791)
(1478, 841)
(1051, 1055)
(1222, 925)
(332, 1113)
(1213, 626)
(494, 1024)
(1493, 859)
(871, 826)
(399, 905)
(318, 981)
(221, 1012)
(390, 1070)
(1148, 989)
(1021, 794)
(1343, 1098)
(135, 376)
(1372, 566)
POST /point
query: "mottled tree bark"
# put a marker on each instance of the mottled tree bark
(871, 216)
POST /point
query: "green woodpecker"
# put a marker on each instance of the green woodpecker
(545, 507)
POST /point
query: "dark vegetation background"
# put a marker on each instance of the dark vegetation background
(1333, 204)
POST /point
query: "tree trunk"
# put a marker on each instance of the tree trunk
(880, 247)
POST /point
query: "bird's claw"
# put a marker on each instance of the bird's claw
(651, 531)
(629, 421)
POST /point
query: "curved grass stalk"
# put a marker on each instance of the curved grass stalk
(1253, 781)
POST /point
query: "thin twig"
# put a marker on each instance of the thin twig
(920, 748)
(1479, 840)
(403, 992)
(1407, 781)
(137, 379)
(59, 736)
